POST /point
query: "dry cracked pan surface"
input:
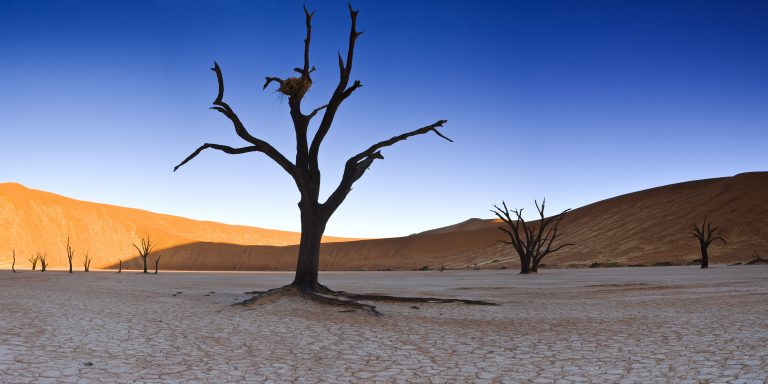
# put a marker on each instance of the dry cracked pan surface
(621, 325)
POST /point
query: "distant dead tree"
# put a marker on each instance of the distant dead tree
(705, 236)
(144, 250)
(70, 254)
(157, 262)
(120, 266)
(532, 242)
(305, 170)
(13, 264)
(86, 262)
(43, 263)
(33, 260)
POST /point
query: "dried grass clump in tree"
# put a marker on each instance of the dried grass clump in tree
(295, 86)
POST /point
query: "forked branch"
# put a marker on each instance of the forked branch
(258, 145)
(358, 164)
(339, 94)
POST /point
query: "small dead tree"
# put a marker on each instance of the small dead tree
(120, 266)
(157, 262)
(70, 254)
(43, 262)
(532, 242)
(86, 262)
(705, 236)
(33, 260)
(144, 249)
(13, 264)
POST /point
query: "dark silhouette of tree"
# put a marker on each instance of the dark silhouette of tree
(705, 236)
(43, 262)
(70, 254)
(86, 262)
(33, 260)
(144, 250)
(305, 170)
(532, 242)
(13, 264)
(120, 266)
(157, 262)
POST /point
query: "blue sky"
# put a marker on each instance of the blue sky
(576, 101)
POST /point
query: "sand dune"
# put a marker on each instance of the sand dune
(35, 221)
(645, 227)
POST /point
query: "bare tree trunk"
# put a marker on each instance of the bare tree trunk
(525, 265)
(535, 265)
(308, 262)
(704, 256)
(13, 265)
(120, 267)
(145, 263)
(157, 262)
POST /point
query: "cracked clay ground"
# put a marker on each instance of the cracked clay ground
(619, 325)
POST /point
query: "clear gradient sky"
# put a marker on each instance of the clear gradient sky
(577, 101)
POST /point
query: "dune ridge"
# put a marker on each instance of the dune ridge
(645, 227)
(36, 221)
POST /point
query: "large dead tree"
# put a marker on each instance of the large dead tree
(532, 242)
(304, 170)
(144, 249)
(705, 235)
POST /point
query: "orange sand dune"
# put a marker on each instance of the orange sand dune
(645, 227)
(35, 221)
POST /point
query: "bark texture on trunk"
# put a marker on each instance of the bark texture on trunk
(308, 261)
(704, 256)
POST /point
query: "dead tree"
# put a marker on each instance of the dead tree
(33, 260)
(70, 254)
(144, 250)
(86, 262)
(13, 264)
(43, 263)
(532, 242)
(157, 262)
(120, 266)
(705, 236)
(305, 171)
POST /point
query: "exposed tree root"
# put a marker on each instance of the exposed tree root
(324, 295)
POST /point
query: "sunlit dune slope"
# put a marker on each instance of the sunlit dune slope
(35, 221)
(645, 227)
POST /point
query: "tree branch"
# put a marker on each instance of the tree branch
(258, 144)
(386, 143)
(308, 15)
(316, 110)
(339, 95)
(223, 148)
(358, 164)
(271, 79)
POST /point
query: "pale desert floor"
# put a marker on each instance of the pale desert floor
(620, 325)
